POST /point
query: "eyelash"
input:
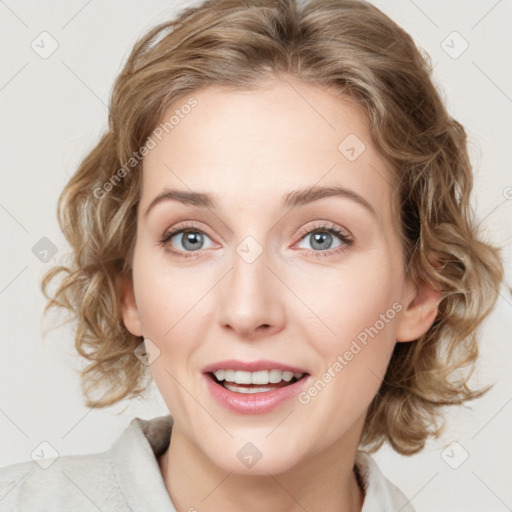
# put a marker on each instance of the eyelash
(323, 228)
(346, 240)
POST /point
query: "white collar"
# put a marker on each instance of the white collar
(135, 453)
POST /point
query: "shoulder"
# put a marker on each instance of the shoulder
(112, 481)
(73, 482)
(380, 493)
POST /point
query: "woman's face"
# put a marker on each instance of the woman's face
(276, 275)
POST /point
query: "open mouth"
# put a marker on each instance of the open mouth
(254, 382)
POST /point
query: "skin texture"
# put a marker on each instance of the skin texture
(250, 148)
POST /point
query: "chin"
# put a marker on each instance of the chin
(244, 457)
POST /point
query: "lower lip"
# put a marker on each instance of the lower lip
(253, 403)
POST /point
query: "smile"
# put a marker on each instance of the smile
(255, 382)
(234, 386)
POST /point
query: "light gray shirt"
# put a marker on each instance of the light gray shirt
(127, 478)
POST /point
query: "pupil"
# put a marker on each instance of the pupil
(321, 238)
(192, 241)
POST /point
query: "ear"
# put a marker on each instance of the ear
(420, 310)
(129, 310)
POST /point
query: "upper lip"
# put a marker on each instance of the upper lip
(251, 366)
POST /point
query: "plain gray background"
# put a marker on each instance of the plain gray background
(53, 111)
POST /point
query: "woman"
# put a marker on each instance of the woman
(276, 225)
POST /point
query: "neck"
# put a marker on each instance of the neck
(326, 482)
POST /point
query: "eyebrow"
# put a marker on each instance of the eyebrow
(291, 200)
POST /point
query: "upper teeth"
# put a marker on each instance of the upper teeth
(261, 377)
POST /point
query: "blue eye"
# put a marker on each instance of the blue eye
(321, 239)
(192, 239)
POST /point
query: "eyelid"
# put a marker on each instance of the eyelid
(343, 234)
(170, 233)
(346, 237)
(326, 226)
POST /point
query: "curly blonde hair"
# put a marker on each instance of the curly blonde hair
(346, 45)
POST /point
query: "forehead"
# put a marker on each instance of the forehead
(251, 146)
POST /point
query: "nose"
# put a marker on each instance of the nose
(250, 299)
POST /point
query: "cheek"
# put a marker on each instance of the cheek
(347, 300)
(359, 309)
(356, 311)
(166, 295)
(169, 306)
(171, 303)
